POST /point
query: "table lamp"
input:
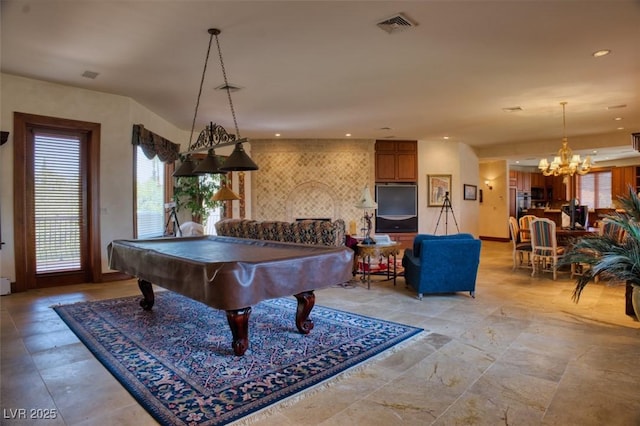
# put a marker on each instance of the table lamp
(366, 203)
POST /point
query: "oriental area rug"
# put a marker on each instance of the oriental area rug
(177, 360)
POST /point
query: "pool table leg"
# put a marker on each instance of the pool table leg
(147, 292)
(306, 300)
(239, 323)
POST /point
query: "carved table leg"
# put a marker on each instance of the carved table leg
(239, 323)
(147, 291)
(306, 300)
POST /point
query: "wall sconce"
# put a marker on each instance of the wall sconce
(489, 185)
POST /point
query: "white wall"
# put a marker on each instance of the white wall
(116, 114)
(459, 161)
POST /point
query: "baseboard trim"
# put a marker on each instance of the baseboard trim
(115, 276)
(499, 239)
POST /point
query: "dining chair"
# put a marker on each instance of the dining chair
(524, 222)
(544, 246)
(521, 250)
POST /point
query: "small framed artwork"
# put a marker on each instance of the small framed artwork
(439, 187)
(470, 192)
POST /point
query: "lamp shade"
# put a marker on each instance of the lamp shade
(225, 194)
(238, 161)
(366, 200)
(186, 169)
(210, 164)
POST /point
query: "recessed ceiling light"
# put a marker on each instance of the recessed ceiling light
(278, 134)
(618, 119)
(599, 53)
(446, 138)
(620, 128)
(348, 134)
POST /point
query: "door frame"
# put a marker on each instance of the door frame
(23, 232)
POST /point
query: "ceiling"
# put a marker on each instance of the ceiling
(322, 69)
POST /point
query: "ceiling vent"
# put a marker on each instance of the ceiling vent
(396, 24)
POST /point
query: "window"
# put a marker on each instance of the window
(56, 186)
(594, 189)
(150, 194)
(59, 202)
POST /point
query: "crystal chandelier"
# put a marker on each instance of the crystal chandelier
(566, 163)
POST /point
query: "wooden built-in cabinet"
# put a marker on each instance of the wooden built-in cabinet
(396, 161)
(521, 180)
(555, 188)
(542, 188)
(621, 178)
(537, 180)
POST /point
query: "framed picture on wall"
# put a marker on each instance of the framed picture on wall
(470, 192)
(438, 187)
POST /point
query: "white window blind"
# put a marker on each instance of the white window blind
(595, 190)
(58, 200)
(149, 195)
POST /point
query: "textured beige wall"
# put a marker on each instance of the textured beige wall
(311, 178)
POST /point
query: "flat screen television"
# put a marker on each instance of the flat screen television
(397, 208)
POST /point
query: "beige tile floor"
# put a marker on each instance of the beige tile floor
(520, 353)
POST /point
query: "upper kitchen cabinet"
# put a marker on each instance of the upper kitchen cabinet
(521, 180)
(396, 161)
(621, 178)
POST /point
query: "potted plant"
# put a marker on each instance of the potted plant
(609, 256)
(194, 193)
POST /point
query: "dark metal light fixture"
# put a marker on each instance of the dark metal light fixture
(239, 161)
(186, 168)
(210, 164)
(214, 135)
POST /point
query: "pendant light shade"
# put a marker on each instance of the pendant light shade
(366, 200)
(210, 164)
(225, 194)
(186, 169)
(238, 161)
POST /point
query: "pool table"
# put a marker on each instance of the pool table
(232, 274)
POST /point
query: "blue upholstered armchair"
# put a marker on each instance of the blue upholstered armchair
(442, 263)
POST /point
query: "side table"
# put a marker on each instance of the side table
(383, 250)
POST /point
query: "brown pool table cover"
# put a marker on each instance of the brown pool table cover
(231, 273)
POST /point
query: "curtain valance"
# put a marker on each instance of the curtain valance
(153, 144)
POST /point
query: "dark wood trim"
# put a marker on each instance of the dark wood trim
(23, 231)
(115, 276)
(499, 239)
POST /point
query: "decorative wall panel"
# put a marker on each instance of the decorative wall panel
(310, 178)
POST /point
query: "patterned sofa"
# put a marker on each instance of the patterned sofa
(319, 232)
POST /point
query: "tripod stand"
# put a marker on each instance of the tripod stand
(175, 230)
(446, 206)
